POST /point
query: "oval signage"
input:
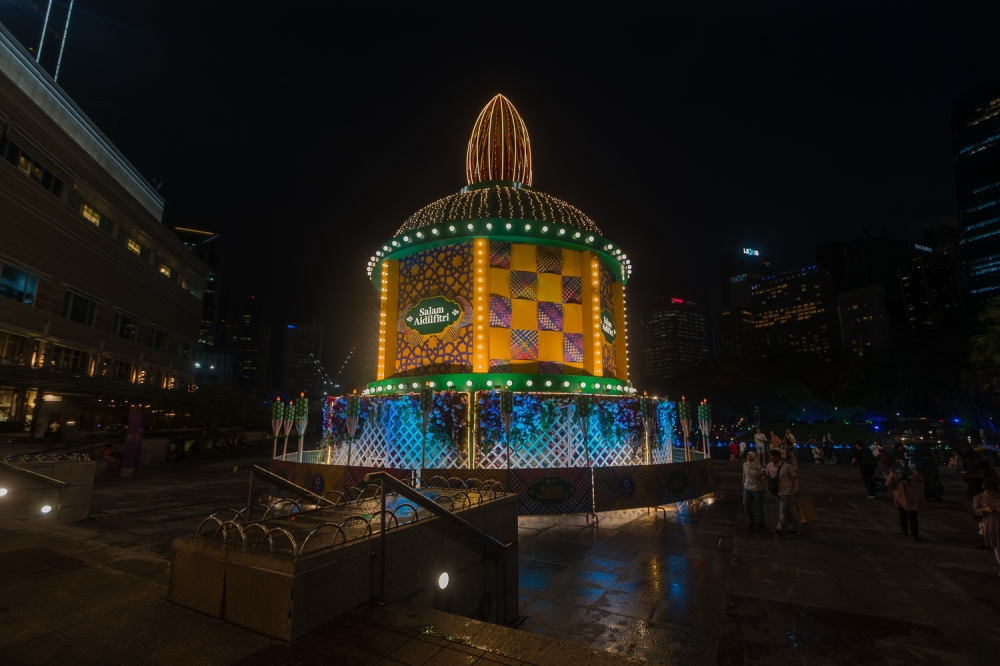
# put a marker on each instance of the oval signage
(431, 316)
(608, 327)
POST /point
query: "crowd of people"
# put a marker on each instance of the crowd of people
(180, 447)
(911, 475)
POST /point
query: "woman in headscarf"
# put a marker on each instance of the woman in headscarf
(753, 491)
(908, 494)
(927, 466)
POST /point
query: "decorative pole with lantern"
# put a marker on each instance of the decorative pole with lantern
(426, 405)
(705, 423)
(287, 423)
(684, 416)
(647, 408)
(301, 420)
(277, 413)
(507, 415)
(353, 411)
(583, 406)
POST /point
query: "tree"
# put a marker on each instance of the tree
(986, 345)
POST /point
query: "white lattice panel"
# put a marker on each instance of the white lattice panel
(562, 446)
(393, 437)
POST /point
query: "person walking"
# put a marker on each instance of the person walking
(817, 451)
(828, 451)
(760, 443)
(927, 466)
(783, 481)
(753, 491)
(743, 450)
(864, 459)
(908, 494)
(734, 450)
(986, 505)
(775, 441)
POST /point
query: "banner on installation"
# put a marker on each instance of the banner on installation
(547, 491)
(631, 487)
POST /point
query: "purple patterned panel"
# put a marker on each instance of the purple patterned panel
(524, 285)
(550, 316)
(523, 345)
(572, 292)
(548, 260)
(550, 368)
(499, 311)
(500, 365)
(573, 347)
(499, 255)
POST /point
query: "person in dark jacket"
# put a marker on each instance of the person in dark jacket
(864, 459)
(927, 467)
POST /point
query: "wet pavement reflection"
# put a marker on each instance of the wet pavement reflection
(697, 587)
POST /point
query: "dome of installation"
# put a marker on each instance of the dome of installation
(500, 285)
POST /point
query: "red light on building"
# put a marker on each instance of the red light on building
(676, 300)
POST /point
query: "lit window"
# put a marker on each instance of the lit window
(90, 214)
(16, 285)
(165, 269)
(134, 246)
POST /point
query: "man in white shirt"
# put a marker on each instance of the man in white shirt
(760, 443)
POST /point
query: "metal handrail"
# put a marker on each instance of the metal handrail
(435, 508)
(447, 517)
(257, 470)
(28, 472)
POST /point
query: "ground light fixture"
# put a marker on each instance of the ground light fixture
(46, 508)
(443, 580)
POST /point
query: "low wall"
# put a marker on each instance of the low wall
(286, 597)
(26, 494)
(542, 491)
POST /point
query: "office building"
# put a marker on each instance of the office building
(976, 149)
(302, 370)
(869, 261)
(939, 234)
(863, 319)
(676, 338)
(208, 247)
(732, 320)
(250, 348)
(97, 298)
(930, 287)
(794, 313)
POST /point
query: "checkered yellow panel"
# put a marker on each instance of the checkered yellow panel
(536, 319)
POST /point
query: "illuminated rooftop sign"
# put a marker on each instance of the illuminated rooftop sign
(752, 253)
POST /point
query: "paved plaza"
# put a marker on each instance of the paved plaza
(693, 587)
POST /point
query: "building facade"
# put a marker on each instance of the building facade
(869, 261)
(794, 313)
(302, 370)
(863, 319)
(976, 150)
(676, 338)
(97, 297)
(731, 318)
(930, 287)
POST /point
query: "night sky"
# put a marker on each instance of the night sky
(307, 132)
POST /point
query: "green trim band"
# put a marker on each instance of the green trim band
(510, 230)
(513, 381)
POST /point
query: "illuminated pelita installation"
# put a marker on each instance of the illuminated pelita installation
(502, 333)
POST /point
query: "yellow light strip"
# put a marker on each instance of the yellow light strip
(481, 307)
(388, 306)
(595, 283)
(621, 339)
